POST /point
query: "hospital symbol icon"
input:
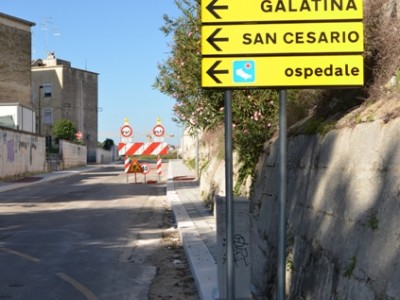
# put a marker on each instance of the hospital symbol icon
(244, 71)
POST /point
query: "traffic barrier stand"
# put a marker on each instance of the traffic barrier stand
(159, 167)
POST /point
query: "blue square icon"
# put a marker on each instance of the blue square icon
(244, 71)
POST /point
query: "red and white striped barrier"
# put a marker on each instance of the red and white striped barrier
(159, 165)
(154, 148)
(127, 164)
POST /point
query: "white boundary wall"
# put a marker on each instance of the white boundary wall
(21, 153)
(106, 156)
(72, 155)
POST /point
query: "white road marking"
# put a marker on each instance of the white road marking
(81, 288)
(26, 256)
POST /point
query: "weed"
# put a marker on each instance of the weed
(348, 271)
(370, 117)
(290, 240)
(290, 264)
(319, 126)
(372, 219)
(311, 126)
(325, 127)
(191, 163)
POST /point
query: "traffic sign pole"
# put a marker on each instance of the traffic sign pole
(282, 196)
(230, 270)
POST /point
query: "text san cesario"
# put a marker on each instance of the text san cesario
(311, 37)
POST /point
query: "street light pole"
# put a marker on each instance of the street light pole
(40, 109)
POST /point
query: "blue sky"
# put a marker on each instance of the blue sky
(121, 40)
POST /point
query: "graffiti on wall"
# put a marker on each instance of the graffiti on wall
(21, 153)
(240, 252)
(10, 150)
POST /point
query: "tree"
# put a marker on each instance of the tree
(254, 111)
(65, 130)
(108, 144)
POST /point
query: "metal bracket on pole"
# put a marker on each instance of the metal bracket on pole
(230, 271)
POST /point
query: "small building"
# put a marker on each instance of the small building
(60, 91)
(17, 116)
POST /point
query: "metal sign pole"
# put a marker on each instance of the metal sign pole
(230, 272)
(282, 196)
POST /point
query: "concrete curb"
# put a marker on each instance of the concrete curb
(202, 264)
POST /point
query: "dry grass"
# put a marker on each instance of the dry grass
(382, 43)
(382, 72)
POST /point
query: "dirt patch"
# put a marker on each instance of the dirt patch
(174, 279)
(27, 179)
(385, 110)
(183, 178)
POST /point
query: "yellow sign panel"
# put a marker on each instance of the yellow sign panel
(283, 71)
(223, 11)
(282, 38)
(135, 167)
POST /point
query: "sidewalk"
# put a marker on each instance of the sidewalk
(196, 225)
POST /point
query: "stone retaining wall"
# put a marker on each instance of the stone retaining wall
(343, 205)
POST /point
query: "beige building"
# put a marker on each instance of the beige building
(60, 91)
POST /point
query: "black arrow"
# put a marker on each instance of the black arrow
(212, 39)
(212, 8)
(212, 71)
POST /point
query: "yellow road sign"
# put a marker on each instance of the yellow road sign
(135, 167)
(224, 11)
(282, 38)
(283, 71)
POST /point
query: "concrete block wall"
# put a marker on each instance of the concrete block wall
(21, 153)
(72, 155)
(241, 248)
(106, 156)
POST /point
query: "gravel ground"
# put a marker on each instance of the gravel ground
(174, 278)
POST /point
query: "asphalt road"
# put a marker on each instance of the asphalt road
(88, 236)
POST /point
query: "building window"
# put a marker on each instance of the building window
(47, 90)
(48, 116)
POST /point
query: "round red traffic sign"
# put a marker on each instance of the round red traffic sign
(146, 168)
(158, 130)
(126, 131)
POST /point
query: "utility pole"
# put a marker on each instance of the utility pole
(40, 109)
